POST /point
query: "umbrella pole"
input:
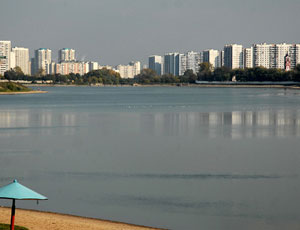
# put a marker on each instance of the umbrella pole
(12, 221)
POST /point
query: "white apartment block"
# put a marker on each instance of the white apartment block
(273, 55)
(93, 65)
(5, 51)
(233, 56)
(21, 59)
(213, 57)
(129, 71)
(12, 60)
(105, 67)
(263, 55)
(189, 61)
(66, 54)
(171, 63)
(43, 60)
(65, 68)
(248, 57)
(156, 64)
(182, 64)
(281, 50)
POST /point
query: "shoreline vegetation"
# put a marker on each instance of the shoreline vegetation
(12, 88)
(36, 220)
(203, 85)
(207, 76)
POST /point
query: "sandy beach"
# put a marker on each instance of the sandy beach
(36, 220)
(27, 92)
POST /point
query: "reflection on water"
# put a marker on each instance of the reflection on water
(23, 120)
(233, 125)
(236, 124)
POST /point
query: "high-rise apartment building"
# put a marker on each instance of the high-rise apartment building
(233, 56)
(156, 64)
(171, 63)
(5, 51)
(273, 55)
(129, 71)
(281, 50)
(264, 55)
(93, 65)
(66, 54)
(248, 57)
(21, 56)
(221, 58)
(296, 60)
(189, 61)
(68, 67)
(213, 57)
(12, 60)
(42, 60)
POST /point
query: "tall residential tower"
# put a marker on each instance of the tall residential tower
(22, 59)
(42, 60)
(5, 49)
(233, 56)
(66, 54)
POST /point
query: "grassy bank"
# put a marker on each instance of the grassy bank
(9, 87)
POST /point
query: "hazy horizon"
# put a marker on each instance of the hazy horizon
(119, 31)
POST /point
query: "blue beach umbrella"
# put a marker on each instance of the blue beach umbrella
(16, 191)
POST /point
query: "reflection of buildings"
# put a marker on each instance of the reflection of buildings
(24, 120)
(14, 119)
(236, 124)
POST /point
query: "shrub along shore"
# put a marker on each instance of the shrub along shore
(7, 88)
(149, 76)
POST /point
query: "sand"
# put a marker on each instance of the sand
(36, 220)
(27, 92)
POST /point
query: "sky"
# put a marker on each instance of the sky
(119, 31)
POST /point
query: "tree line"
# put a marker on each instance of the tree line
(148, 76)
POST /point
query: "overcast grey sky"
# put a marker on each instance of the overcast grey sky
(118, 31)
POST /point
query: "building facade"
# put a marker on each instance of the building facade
(248, 57)
(21, 56)
(129, 71)
(189, 61)
(273, 55)
(156, 64)
(171, 63)
(233, 56)
(213, 57)
(93, 65)
(42, 60)
(66, 54)
(5, 52)
(65, 68)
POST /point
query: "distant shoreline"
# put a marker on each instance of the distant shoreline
(297, 87)
(23, 92)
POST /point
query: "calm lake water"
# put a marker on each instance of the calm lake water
(176, 158)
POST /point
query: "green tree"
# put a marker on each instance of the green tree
(205, 72)
(188, 77)
(147, 76)
(222, 74)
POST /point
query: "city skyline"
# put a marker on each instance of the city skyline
(233, 56)
(113, 32)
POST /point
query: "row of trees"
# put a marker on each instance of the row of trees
(102, 76)
(206, 73)
(149, 76)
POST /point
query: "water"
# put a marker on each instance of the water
(176, 158)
